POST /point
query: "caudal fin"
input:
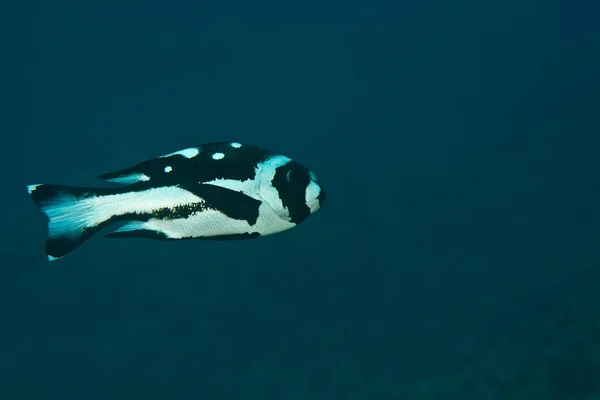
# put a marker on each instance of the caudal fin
(73, 215)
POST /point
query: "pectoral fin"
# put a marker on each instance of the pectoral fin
(232, 203)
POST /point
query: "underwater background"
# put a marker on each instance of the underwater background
(456, 256)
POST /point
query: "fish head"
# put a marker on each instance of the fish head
(290, 189)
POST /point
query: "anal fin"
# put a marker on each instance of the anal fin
(137, 229)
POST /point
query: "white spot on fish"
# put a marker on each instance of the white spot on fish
(168, 169)
(31, 188)
(236, 145)
(218, 156)
(187, 153)
(52, 258)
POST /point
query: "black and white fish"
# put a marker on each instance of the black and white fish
(219, 191)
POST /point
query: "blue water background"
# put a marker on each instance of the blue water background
(456, 257)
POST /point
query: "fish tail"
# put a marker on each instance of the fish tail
(74, 214)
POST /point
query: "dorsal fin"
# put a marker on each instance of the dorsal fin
(155, 169)
(206, 163)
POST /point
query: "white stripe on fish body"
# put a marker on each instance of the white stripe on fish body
(210, 223)
(78, 214)
(249, 187)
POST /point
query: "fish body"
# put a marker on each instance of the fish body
(216, 191)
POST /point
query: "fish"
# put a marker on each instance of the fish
(214, 191)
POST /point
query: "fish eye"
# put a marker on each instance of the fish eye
(297, 176)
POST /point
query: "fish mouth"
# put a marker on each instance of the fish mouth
(313, 196)
(321, 197)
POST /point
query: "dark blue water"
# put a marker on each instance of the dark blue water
(455, 258)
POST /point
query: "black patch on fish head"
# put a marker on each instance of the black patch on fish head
(291, 181)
